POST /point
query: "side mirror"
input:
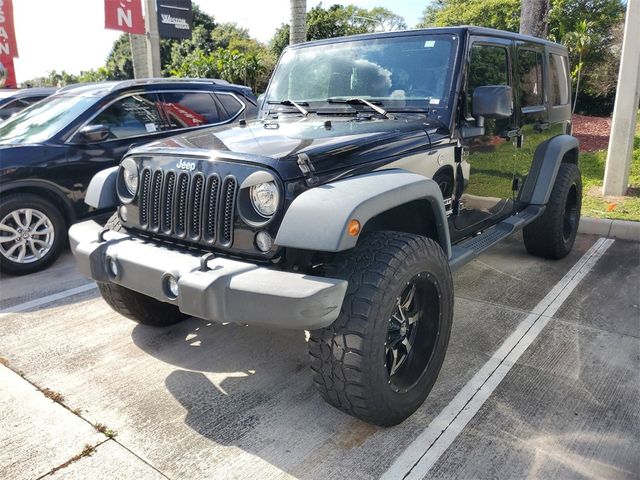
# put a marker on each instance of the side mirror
(93, 134)
(492, 101)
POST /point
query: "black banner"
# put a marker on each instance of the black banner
(175, 18)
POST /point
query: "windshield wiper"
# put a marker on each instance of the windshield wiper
(361, 101)
(291, 103)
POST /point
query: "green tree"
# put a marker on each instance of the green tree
(225, 33)
(500, 14)
(338, 21)
(594, 57)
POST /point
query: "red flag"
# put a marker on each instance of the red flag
(8, 46)
(125, 15)
(7, 72)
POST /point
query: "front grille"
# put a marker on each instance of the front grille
(188, 206)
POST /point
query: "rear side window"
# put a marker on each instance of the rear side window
(230, 104)
(559, 80)
(190, 109)
(131, 116)
(530, 74)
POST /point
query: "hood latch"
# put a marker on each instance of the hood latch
(308, 170)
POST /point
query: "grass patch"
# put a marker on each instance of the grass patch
(86, 452)
(53, 395)
(102, 428)
(594, 204)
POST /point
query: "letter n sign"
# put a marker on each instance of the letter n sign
(125, 15)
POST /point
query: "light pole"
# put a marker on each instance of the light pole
(153, 39)
(616, 174)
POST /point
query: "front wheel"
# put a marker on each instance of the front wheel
(136, 306)
(379, 360)
(32, 233)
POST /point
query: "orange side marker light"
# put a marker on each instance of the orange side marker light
(353, 228)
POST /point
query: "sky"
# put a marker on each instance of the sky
(70, 35)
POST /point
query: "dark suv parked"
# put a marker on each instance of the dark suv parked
(381, 163)
(50, 152)
(14, 101)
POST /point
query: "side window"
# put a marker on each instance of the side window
(131, 116)
(530, 75)
(230, 104)
(488, 65)
(559, 80)
(190, 109)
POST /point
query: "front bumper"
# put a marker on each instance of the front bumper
(225, 290)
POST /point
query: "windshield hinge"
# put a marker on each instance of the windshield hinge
(307, 169)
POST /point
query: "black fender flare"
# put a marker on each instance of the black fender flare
(318, 218)
(544, 169)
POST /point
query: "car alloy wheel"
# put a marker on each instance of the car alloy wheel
(26, 235)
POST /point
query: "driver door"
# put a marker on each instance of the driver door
(488, 191)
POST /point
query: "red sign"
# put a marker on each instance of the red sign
(8, 46)
(125, 15)
(7, 72)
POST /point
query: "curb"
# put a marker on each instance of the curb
(606, 227)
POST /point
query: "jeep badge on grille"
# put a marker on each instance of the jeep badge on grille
(189, 166)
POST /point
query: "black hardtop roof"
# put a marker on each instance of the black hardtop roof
(458, 30)
(102, 88)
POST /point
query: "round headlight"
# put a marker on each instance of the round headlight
(265, 198)
(130, 175)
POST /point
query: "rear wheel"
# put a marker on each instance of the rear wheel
(554, 233)
(134, 305)
(379, 360)
(32, 234)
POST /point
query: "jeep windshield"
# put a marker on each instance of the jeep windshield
(403, 73)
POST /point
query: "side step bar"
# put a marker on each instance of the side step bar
(467, 250)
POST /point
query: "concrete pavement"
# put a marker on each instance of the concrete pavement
(205, 400)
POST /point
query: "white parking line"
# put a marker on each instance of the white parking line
(21, 307)
(418, 458)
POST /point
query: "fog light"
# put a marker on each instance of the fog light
(171, 286)
(123, 213)
(113, 267)
(264, 241)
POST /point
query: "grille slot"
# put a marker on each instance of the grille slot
(195, 200)
(156, 195)
(228, 196)
(167, 208)
(180, 205)
(211, 208)
(144, 197)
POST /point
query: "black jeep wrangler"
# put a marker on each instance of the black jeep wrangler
(379, 164)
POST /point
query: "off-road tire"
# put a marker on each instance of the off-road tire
(133, 305)
(12, 202)
(348, 357)
(554, 233)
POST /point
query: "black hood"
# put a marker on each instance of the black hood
(331, 143)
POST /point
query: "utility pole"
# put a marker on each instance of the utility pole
(625, 110)
(153, 39)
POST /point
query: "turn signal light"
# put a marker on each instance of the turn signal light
(353, 228)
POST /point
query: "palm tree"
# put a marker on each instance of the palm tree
(298, 31)
(579, 42)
